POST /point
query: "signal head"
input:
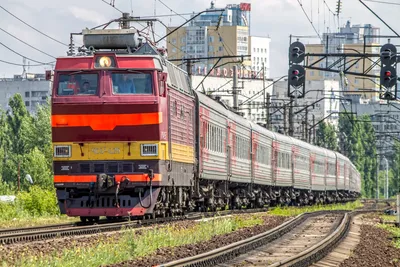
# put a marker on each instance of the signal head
(297, 75)
(388, 76)
(388, 54)
(296, 52)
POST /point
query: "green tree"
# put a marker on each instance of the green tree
(395, 166)
(35, 164)
(20, 128)
(42, 129)
(326, 136)
(358, 143)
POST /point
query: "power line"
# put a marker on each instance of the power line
(23, 55)
(167, 15)
(34, 65)
(33, 27)
(383, 2)
(172, 10)
(305, 13)
(26, 43)
(113, 5)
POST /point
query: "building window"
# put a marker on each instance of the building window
(211, 38)
(174, 50)
(39, 93)
(258, 49)
(254, 49)
(173, 40)
(220, 48)
(27, 103)
(27, 94)
(183, 40)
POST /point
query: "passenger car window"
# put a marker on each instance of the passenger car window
(77, 84)
(132, 83)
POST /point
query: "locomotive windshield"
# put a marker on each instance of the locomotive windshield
(132, 83)
(77, 84)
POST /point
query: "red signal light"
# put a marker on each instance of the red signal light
(388, 73)
(295, 72)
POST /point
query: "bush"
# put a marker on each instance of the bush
(38, 202)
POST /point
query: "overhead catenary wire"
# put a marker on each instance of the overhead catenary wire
(383, 2)
(44, 63)
(308, 18)
(31, 46)
(113, 5)
(32, 65)
(30, 26)
(171, 10)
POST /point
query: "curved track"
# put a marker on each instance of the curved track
(16, 235)
(304, 253)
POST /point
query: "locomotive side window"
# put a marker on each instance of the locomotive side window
(77, 84)
(132, 83)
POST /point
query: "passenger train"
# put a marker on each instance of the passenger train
(132, 138)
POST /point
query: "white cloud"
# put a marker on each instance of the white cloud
(87, 15)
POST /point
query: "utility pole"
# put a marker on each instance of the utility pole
(377, 176)
(291, 126)
(314, 131)
(234, 89)
(306, 125)
(285, 130)
(189, 70)
(267, 113)
(387, 178)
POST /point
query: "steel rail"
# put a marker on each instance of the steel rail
(45, 232)
(311, 255)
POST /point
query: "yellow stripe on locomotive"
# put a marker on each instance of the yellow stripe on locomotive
(139, 150)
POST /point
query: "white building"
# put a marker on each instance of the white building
(259, 50)
(34, 90)
(325, 97)
(252, 109)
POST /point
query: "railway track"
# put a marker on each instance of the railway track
(301, 241)
(29, 234)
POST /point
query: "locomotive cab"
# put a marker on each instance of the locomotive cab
(109, 125)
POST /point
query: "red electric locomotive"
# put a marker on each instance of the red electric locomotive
(112, 134)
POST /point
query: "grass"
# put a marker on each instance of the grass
(31, 221)
(394, 231)
(294, 211)
(132, 245)
(388, 218)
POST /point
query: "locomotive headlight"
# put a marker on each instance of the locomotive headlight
(104, 62)
(62, 151)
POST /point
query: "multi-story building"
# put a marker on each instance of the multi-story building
(251, 98)
(259, 50)
(321, 101)
(350, 39)
(215, 34)
(34, 90)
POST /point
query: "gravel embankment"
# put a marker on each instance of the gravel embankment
(165, 255)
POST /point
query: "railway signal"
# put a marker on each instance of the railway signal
(297, 73)
(388, 75)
